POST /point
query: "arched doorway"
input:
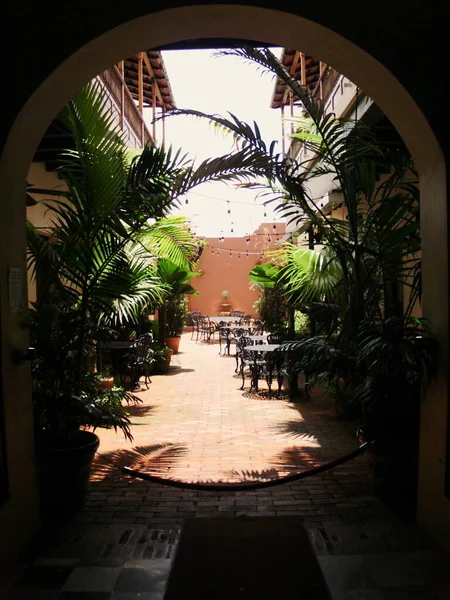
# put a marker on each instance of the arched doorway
(221, 21)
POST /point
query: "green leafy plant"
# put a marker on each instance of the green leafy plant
(92, 276)
(173, 311)
(355, 283)
(176, 316)
(59, 410)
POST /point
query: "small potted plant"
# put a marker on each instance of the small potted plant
(176, 316)
(105, 379)
(162, 355)
(172, 313)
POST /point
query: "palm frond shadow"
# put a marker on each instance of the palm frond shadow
(156, 458)
(253, 475)
(140, 410)
(296, 429)
(175, 370)
(294, 459)
(298, 458)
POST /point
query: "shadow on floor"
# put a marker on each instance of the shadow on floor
(140, 410)
(156, 458)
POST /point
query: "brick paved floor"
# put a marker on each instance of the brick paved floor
(195, 424)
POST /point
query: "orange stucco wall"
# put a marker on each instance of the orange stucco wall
(222, 270)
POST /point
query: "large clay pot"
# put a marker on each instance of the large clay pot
(173, 343)
(392, 470)
(63, 473)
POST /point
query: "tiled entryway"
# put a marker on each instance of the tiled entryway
(195, 424)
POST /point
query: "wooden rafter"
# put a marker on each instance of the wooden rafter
(153, 79)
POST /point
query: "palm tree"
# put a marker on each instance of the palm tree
(90, 275)
(366, 260)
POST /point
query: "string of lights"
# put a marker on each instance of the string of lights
(186, 201)
(239, 253)
(248, 236)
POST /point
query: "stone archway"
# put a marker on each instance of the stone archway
(241, 22)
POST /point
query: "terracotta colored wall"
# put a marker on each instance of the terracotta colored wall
(222, 270)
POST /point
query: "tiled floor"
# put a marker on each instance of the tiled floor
(194, 423)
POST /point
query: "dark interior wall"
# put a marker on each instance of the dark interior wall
(408, 37)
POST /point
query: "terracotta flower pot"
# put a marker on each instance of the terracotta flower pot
(173, 343)
(106, 383)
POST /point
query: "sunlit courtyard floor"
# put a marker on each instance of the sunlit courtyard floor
(194, 423)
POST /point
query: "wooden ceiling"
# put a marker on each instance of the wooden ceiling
(154, 70)
(300, 66)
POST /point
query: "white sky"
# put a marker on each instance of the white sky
(219, 85)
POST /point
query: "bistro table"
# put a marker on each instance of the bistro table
(258, 339)
(217, 320)
(113, 345)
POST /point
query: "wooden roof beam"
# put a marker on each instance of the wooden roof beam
(140, 83)
(153, 77)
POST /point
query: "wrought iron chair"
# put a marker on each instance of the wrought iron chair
(258, 327)
(246, 320)
(138, 361)
(195, 318)
(275, 367)
(240, 340)
(206, 329)
(225, 337)
(250, 362)
(236, 334)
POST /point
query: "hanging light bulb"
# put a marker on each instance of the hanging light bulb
(274, 227)
(247, 253)
(229, 209)
(247, 240)
(230, 252)
(239, 255)
(265, 214)
(269, 239)
(186, 201)
(217, 251)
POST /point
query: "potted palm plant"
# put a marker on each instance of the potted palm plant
(172, 312)
(368, 341)
(91, 280)
(176, 316)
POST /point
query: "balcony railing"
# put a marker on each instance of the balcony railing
(127, 106)
(326, 83)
